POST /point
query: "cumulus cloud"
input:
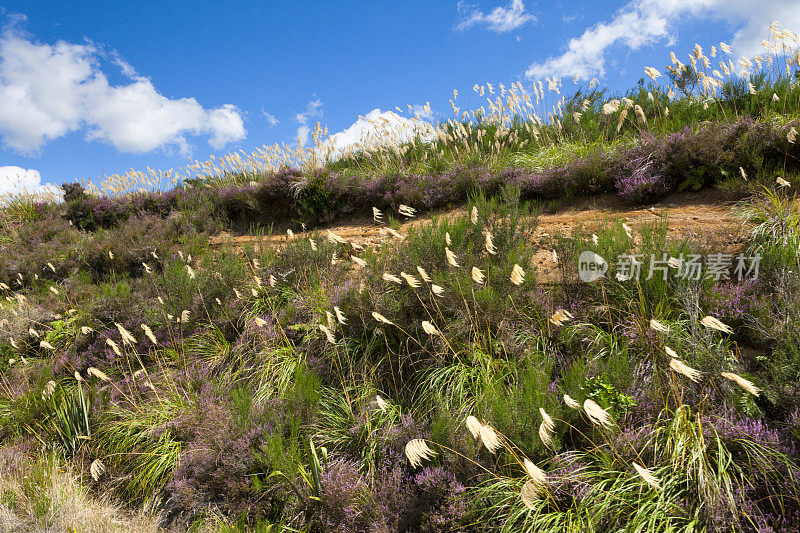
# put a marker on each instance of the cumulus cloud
(499, 20)
(48, 91)
(644, 22)
(377, 128)
(21, 180)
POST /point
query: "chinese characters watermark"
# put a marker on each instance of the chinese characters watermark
(691, 267)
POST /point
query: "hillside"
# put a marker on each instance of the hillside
(415, 337)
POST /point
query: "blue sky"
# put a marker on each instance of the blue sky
(91, 87)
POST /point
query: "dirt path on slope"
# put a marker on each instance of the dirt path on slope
(707, 218)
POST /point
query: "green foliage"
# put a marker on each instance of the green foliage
(66, 422)
(608, 397)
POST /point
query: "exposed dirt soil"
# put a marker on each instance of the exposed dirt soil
(707, 217)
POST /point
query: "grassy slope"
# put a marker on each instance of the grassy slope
(285, 385)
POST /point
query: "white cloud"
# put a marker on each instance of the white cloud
(47, 91)
(643, 22)
(270, 118)
(303, 135)
(499, 20)
(20, 180)
(313, 110)
(376, 129)
(422, 111)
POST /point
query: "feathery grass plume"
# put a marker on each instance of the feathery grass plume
(97, 469)
(743, 173)
(406, 210)
(775, 97)
(380, 318)
(235, 292)
(451, 257)
(382, 404)
(791, 135)
(658, 326)
(272, 281)
(640, 114)
(111, 255)
(474, 426)
(330, 321)
(571, 403)
(190, 271)
(474, 215)
(714, 323)
(597, 415)
(54, 290)
(517, 275)
(358, 261)
(478, 276)
(99, 374)
(51, 267)
(328, 333)
(746, 384)
(536, 474)
(78, 377)
(185, 316)
(313, 244)
(628, 230)
(423, 274)
(546, 428)
(260, 322)
(335, 239)
(377, 216)
(490, 439)
(356, 246)
(611, 107)
(447, 240)
(392, 278)
(782, 182)
(33, 333)
(489, 244)
(49, 389)
(149, 334)
(219, 302)
(647, 476)
(114, 346)
(437, 290)
(681, 368)
(127, 338)
(289, 234)
(13, 343)
(670, 352)
(530, 493)
(411, 280)
(47, 345)
(555, 257)
(340, 316)
(429, 328)
(255, 292)
(652, 73)
(394, 233)
(417, 450)
(147, 268)
(560, 317)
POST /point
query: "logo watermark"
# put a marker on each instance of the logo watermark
(591, 266)
(715, 266)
